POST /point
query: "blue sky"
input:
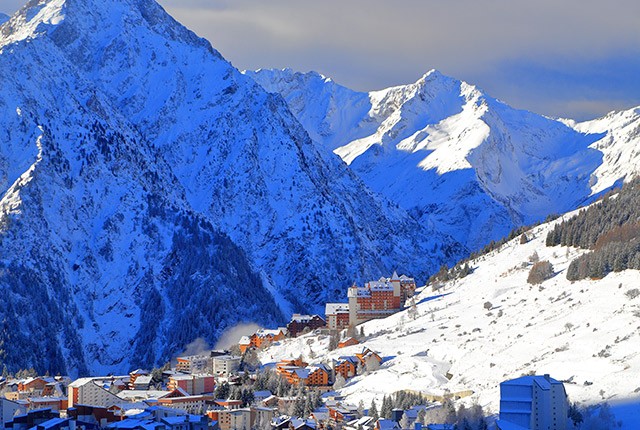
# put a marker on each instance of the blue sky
(570, 58)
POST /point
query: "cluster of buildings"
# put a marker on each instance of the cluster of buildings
(376, 299)
(298, 325)
(321, 376)
(185, 400)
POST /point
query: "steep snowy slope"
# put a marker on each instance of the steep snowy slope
(100, 253)
(620, 147)
(303, 218)
(585, 333)
(457, 158)
(151, 194)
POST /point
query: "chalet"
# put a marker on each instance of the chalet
(54, 389)
(346, 366)
(342, 413)
(134, 375)
(281, 422)
(271, 401)
(320, 416)
(360, 423)
(366, 354)
(350, 341)
(319, 376)
(337, 315)
(297, 362)
(313, 376)
(263, 336)
(300, 323)
(244, 344)
(34, 385)
(379, 299)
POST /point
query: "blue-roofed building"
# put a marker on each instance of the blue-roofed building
(533, 403)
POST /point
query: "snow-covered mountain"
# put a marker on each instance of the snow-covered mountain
(151, 194)
(456, 158)
(620, 147)
(490, 326)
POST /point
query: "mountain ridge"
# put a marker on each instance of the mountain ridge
(443, 150)
(152, 194)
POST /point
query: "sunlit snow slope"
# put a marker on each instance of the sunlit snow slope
(457, 158)
(585, 333)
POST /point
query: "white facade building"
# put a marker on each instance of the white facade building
(92, 391)
(533, 403)
(8, 409)
(225, 364)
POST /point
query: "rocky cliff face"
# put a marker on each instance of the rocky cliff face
(151, 194)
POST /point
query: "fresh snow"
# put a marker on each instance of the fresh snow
(584, 333)
(456, 158)
(140, 170)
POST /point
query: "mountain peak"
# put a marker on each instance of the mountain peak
(70, 22)
(34, 18)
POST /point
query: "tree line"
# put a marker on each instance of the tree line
(610, 229)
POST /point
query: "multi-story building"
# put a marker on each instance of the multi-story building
(300, 323)
(236, 419)
(346, 366)
(194, 363)
(8, 409)
(93, 391)
(337, 315)
(533, 403)
(261, 338)
(192, 384)
(190, 404)
(53, 403)
(225, 364)
(379, 299)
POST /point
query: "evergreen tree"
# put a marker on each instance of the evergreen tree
(299, 407)
(373, 410)
(385, 410)
(222, 391)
